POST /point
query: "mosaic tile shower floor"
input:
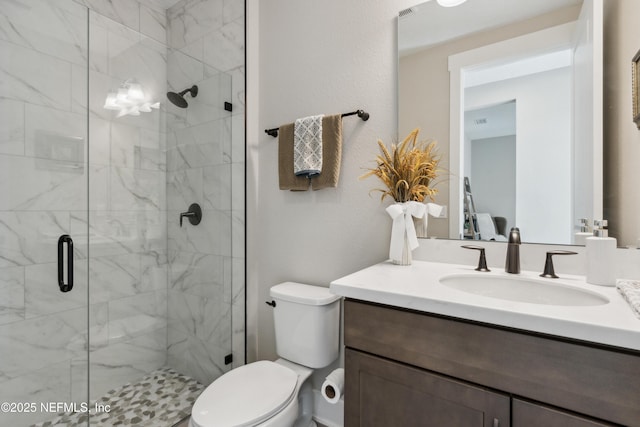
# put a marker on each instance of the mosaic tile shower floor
(160, 399)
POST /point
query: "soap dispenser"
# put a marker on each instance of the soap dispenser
(583, 232)
(601, 251)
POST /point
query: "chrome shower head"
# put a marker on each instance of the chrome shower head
(178, 100)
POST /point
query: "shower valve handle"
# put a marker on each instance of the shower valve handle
(194, 214)
(187, 214)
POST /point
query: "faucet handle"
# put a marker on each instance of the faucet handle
(482, 262)
(548, 264)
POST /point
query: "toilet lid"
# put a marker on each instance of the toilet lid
(245, 396)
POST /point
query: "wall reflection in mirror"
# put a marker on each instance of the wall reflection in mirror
(512, 92)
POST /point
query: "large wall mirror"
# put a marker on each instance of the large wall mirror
(512, 91)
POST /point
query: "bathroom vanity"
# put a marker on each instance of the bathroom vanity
(420, 353)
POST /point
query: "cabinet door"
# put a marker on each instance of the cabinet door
(383, 393)
(529, 414)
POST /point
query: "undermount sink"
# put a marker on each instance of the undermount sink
(523, 289)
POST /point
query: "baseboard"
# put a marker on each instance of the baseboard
(331, 415)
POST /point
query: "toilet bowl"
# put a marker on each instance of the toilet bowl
(261, 394)
(277, 394)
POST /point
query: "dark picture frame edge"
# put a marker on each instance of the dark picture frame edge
(635, 76)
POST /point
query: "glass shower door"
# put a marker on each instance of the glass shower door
(44, 177)
(127, 212)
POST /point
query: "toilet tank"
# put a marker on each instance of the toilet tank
(307, 323)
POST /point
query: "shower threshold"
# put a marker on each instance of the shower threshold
(161, 399)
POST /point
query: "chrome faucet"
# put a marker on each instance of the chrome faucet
(512, 264)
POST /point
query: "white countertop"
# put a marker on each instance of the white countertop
(417, 287)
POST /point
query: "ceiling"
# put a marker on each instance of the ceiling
(430, 23)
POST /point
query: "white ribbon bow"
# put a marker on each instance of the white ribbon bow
(434, 210)
(401, 214)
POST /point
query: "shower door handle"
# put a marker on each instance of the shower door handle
(65, 287)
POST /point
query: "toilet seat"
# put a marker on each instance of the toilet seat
(245, 396)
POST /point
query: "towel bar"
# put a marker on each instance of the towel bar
(361, 113)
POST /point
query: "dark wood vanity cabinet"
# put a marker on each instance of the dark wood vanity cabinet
(388, 393)
(530, 414)
(407, 368)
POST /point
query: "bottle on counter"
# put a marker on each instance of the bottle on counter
(601, 251)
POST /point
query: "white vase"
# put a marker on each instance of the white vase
(406, 253)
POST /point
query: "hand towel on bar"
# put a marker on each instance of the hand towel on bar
(331, 153)
(307, 146)
(288, 180)
(630, 291)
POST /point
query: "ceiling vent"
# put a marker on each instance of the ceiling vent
(406, 12)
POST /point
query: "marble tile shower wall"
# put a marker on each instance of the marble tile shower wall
(43, 176)
(205, 164)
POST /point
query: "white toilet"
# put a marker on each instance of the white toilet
(274, 394)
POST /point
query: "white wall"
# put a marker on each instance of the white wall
(621, 136)
(316, 57)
